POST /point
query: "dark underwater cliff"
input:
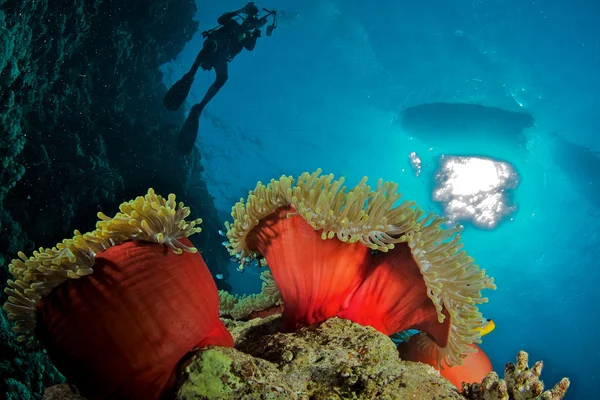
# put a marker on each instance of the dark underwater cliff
(83, 128)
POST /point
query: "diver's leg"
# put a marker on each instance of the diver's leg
(222, 75)
(200, 59)
(209, 51)
(177, 94)
(180, 90)
(187, 136)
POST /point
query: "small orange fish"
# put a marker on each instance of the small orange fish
(475, 366)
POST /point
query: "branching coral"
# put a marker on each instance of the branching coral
(117, 308)
(520, 383)
(337, 252)
(241, 307)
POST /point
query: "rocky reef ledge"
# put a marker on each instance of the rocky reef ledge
(334, 360)
(82, 122)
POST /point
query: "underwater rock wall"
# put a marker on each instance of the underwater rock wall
(82, 123)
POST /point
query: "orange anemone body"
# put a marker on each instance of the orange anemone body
(319, 279)
(475, 365)
(121, 331)
(393, 297)
(316, 277)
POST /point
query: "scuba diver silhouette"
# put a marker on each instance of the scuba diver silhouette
(220, 46)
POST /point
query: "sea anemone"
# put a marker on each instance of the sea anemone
(119, 307)
(245, 307)
(475, 366)
(358, 255)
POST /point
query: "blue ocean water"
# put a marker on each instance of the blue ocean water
(327, 90)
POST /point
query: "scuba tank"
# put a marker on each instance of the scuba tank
(259, 24)
(209, 32)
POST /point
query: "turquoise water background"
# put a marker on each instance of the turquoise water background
(326, 91)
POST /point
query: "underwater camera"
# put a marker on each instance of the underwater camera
(270, 30)
(273, 25)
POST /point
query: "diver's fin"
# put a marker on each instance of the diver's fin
(178, 92)
(189, 131)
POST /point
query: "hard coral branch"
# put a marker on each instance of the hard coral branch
(520, 383)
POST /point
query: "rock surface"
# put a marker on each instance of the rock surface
(334, 360)
(62, 392)
(82, 121)
(337, 359)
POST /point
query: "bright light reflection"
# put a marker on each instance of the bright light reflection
(475, 189)
(415, 162)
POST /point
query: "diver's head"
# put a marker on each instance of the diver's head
(251, 19)
(251, 10)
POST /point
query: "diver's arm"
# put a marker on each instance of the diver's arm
(250, 40)
(227, 17)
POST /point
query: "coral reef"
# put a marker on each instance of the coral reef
(23, 373)
(520, 383)
(118, 308)
(337, 359)
(82, 128)
(83, 125)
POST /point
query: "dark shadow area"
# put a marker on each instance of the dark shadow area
(464, 122)
(581, 165)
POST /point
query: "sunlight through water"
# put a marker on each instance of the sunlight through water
(475, 189)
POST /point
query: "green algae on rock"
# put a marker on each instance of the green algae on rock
(226, 373)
